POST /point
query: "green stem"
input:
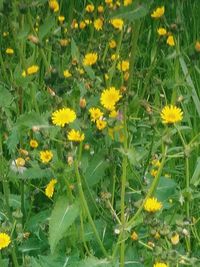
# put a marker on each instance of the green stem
(86, 209)
(22, 203)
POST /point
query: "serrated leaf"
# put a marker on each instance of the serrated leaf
(165, 189)
(93, 262)
(62, 217)
(36, 173)
(6, 97)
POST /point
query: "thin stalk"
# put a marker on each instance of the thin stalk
(22, 202)
(86, 209)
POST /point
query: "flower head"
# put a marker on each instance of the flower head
(4, 240)
(67, 74)
(49, 190)
(100, 9)
(33, 143)
(20, 162)
(197, 46)
(54, 5)
(98, 24)
(101, 124)
(46, 156)
(170, 40)
(32, 69)
(75, 136)
(160, 264)
(9, 51)
(112, 44)
(123, 65)
(61, 19)
(127, 2)
(161, 31)
(171, 114)
(90, 59)
(152, 205)
(110, 97)
(117, 23)
(63, 116)
(158, 12)
(95, 114)
(134, 236)
(89, 8)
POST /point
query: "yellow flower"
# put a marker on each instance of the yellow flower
(152, 205)
(175, 239)
(61, 19)
(89, 8)
(197, 46)
(112, 44)
(98, 24)
(114, 57)
(54, 5)
(88, 21)
(20, 162)
(160, 264)
(117, 23)
(49, 190)
(113, 113)
(170, 40)
(134, 236)
(46, 156)
(64, 42)
(127, 2)
(116, 131)
(75, 136)
(90, 59)
(101, 124)
(33, 143)
(100, 9)
(4, 240)
(82, 25)
(158, 13)
(5, 34)
(9, 51)
(82, 103)
(110, 97)
(154, 172)
(32, 70)
(63, 116)
(95, 114)
(123, 65)
(108, 1)
(171, 114)
(156, 163)
(161, 31)
(67, 74)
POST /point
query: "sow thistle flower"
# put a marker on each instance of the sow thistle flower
(89, 8)
(67, 74)
(117, 23)
(160, 264)
(171, 114)
(170, 40)
(54, 5)
(127, 2)
(101, 124)
(152, 205)
(46, 156)
(112, 44)
(49, 190)
(161, 31)
(158, 13)
(95, 114)
(109, 98)
(63, 116)
(90, 59)
(33, 143)
(75, 136)
(32, 69)
(9, 51)
(98, 24)
(123, 65)
(4, 240)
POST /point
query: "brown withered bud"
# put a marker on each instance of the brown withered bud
(51, 91)
(33, 39)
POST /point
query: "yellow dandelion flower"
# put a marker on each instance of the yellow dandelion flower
(33, 143)
(67, 74)
(82, 25)
(46, 156)
(152, 205)
(175, 239)
(197, 46)
(101, 124)
(75, 136)
(117, 23)
(88, 21)
(4, 240)
(161, 31)
(90, 59)
(123, 65)
(112, 44)
(89, 8)
(113, 114)
(95, 114)
(54, 5)
(9, 51)
(82, 102)
(108, 2)
(32, 69)
(100, 9)
(156, 163)
(64, 42)
(158, 12)
(49, 190)
(98, 24)
(171, 114)
(170, 40)
(134, 236)
(110, 97)
(160, 264)
(63, 116)
(154, 172)
(20, 162)
(114, 57)
(127, 2)
(61, 19)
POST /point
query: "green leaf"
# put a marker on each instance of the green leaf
(75, 50)
(46, 27)
(36, 173)
(96, 169)
(63, 215)
(93, 262)
(166, 188)
(195, 180)
(6, 97)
